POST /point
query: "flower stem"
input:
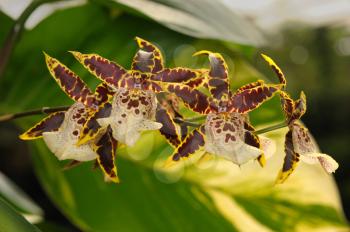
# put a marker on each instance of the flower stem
(16, 31)
(271, 128)
(43, 110)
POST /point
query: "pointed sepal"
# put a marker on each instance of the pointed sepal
(107, 71)
(218, 82)
(105, 149)
(192, 143)
(49, 124)
(192, 98)
(290, 160)
(250, 99)
(92, 128)
(70, 83)
(276, 69)
(169, 128)
(155, 61)
(190, 77)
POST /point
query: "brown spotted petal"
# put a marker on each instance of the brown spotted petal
(250, 99)
(250, 85)
(49, 124)
(70, 83)
(105, 149)
(218, 82)
(290, 160)
(133, 111)
(225, 137)
(103, 93)
(157, 59)
(189, 77)
(192, 98)
(63, 142)
(107, 71)
(288, 104)
(169, 129)
(305, 146)
(299, 107)
(190, 145)
(92, 128)
(276, 69)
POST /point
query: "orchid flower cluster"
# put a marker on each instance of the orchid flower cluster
(144, 98)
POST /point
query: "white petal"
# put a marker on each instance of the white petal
(326, 161)
(245, 153)
(268, 146)
(149, 125)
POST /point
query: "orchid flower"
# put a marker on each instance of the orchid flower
(226, 131)
(134, 107)
(299, 143)
(61, 130)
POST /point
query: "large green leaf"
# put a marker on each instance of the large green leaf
(215, 195)
(19, 200)
(12, 221)
(203, 19)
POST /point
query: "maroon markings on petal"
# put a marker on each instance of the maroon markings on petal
(250, 85)
(276, 69)
(299, 107)
(48, 124)
(218, 82)
(192, 143)
(290, 160)
(70, 83)
(156, 54)
(249, 99)
(103, 93)
(192, 98)
(192, 78)
(168, 129)
(91, 127)
(105, 148)
(288, 104)
(104, 69)
(151, 85)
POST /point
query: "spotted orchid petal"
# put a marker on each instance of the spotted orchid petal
(133, 111)
(70, 83)
(63, 142)
(276, 69)
(105, 149)
(218, 82)
(149, 58)
(190, 145)
(225, 137)
(251, 98)
(107, 71)
(169, 129)
(92, 128)
(190, 77)
(170, 103)
(250, 85)
(288, 104)
(103, 93)
(290, 160)
(51, 123)
(192, 98)
(305, 146)
(326, 161)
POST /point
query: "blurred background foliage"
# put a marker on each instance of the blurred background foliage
(216, 195)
